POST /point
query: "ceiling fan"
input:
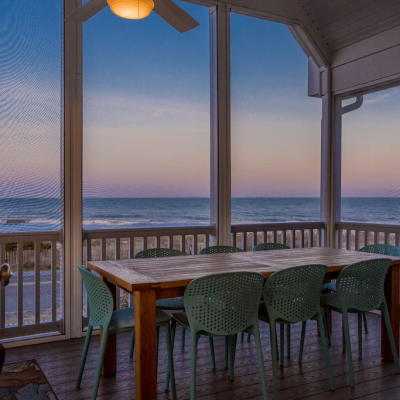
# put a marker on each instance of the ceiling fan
(169, 11)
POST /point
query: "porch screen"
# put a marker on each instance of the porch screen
(146, 133)
(276, 131)
(31, 165)
(370, 172)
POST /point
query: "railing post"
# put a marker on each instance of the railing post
(37, 282)
(2, 289)
(20, 264)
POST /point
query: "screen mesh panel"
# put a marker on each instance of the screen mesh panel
(31, 163)
(276, 127)
(146, 122)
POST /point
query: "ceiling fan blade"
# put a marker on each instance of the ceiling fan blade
(87, 11)
(176, 16)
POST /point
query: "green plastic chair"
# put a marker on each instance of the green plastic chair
(166, 304)
(360, 288)
(291, 296)
(102, 314)
(176, 303)
(270, 246)
(385, 249)
(222, 305)
(220, 249)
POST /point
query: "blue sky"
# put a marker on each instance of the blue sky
(146, 110)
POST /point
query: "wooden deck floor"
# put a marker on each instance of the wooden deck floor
(375, 379)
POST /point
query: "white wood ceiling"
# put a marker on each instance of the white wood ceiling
(343, 22)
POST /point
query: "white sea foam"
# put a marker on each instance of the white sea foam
(112, 222)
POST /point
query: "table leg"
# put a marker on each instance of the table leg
(110, 358)
(392, 288)
(145, 345)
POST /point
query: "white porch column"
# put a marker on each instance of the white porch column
(331, 162)
(220, 123)
(73, 172)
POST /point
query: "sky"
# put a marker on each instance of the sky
(146, 129)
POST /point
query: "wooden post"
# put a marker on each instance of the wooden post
(392, 283)
(72, 172)
(220, 124)
(145, 345)
(110, 358)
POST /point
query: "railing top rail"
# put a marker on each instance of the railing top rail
(368, 227)
(149, 232)
(277, 226)
(23, 237)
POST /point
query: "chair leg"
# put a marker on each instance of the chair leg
(343, 337)
(260, 358)
(391, 338)
(326, 352)
(248, 337)
(282, 344)
(274, 350)
(170, 368)
(103, 347)
(84, 355)
(211, 340)
(226, 352)
(242, 336)
(288, 340)
(348, 346)
(158, 342)
(183, 338)
(173, 331)
(365, 322)
(360, 317)
(232, 348)
(303, 334)
(193, 356)
(132, 344)
(327, 327)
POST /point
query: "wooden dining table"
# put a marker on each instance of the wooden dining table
(159, 278)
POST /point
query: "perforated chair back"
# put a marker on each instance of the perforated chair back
(223, 304)
(385, 249)
(159, 252)
(270, 246)
(361, 285)
(100, 299)
(294, 294)
(220, 249)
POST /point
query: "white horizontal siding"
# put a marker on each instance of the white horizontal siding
(363, 48)
(367, 70)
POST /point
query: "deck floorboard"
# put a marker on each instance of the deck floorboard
(375, 378)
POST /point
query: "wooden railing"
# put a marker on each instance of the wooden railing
(32, 304)
(353, 236)
(110, 244)
(293, 234)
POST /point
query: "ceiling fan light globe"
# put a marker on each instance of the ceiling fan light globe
(131, 9)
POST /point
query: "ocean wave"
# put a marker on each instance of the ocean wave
(112, 222)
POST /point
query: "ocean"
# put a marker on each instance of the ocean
(35, 215)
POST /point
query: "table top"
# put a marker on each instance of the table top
(176, 272)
